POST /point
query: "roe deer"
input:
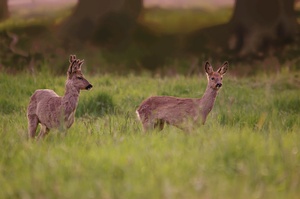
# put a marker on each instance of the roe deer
(52, 111)
(155, 111)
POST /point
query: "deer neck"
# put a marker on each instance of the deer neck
(70, 98)
(207, 101)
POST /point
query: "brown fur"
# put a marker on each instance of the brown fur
(155, 111)
(52, 111)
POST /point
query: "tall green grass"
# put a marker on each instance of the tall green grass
(249, 147)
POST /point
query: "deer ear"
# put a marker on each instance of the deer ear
(222, 70)
(208, 68)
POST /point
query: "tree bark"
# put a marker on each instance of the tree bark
(4, 13)
(107, 21)
(257, 26)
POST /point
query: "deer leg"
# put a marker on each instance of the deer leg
(32, 125)
(159, 124)
(147, 126)
(44, 131)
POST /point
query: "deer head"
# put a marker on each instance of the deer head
(215, 78)
(75, 75)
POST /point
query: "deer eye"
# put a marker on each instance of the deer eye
(80, 78)
(212, 78)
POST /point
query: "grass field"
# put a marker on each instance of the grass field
(249, 147)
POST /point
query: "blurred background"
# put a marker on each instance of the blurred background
(165, 37)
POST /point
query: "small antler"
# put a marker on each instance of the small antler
(75, 64)
(79, 64)
(72, 58)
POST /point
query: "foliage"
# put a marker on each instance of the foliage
(40, 16)
(178, 21)
(38, 40)
(164, 51)
(249, 147)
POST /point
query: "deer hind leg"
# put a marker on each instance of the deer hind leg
(150, 123)
(147, 126)
(145, 121)
(43, 132)
(32, 125)
(153, 124)
(159, 124)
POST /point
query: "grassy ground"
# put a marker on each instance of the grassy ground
(249, 147)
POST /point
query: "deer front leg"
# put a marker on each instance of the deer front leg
(203, 119)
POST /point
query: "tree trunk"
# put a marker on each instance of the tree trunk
(259, 25)
(108, 21)
(4, 13)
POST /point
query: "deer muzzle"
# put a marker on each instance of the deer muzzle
(89, 87)
(218, 85)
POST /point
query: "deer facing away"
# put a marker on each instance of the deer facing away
(156, 111)
(52, 111)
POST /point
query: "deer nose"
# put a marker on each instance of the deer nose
(89, 87)
(219, 85)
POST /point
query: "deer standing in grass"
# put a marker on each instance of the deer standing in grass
(52, 111)
(157, 111)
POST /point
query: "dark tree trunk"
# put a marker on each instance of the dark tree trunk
(257, 26)
(103, 21)
(113, 25)
(4, 13)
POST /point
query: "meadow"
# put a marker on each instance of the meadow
(249, 147)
